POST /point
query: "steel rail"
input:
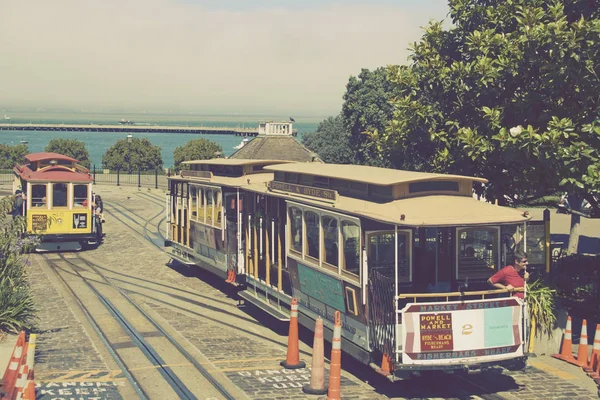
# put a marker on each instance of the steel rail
(113, 211)
(151, 354)
(151, 198)
(134, 383)
(184, 352)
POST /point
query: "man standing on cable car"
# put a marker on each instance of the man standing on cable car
(18, 204)
(512, 277)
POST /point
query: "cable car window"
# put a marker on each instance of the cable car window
(209, 205)
(477, 252)
(295, 230)
(351, 253)
(59, 195)
(313, 241)
(194, 201)
(218, 207)
(80, 193)
(404, 266)
(433, 186)
(381, 254)
(201, 204)
(38, 195)
(331, 240)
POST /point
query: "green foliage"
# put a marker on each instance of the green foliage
(11, 155)
(197, 149)
(17, 308)
(576, 279)
(132, 155)
(330, 141)
(540, 303)
(72, 148)
(510, 92)
(366, 110)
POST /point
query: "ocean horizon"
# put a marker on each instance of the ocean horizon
(97, 143)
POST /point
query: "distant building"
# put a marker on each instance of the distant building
(275, 141)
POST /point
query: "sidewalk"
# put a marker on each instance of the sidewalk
(564, 371)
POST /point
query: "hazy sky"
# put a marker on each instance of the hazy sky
(203, 56)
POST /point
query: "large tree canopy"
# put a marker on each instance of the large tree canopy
(131, 155)
(197, 149)
(11, 155)
(510, 92)
(330, 141)
(367, 108)
(72, 148)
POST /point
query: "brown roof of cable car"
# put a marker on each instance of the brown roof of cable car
(45, 155)
(54, 174)
(366, 174)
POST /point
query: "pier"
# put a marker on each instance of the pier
(215, 130)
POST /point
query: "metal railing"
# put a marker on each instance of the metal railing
(153, 178)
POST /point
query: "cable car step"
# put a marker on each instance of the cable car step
(281, 316)
(58, 246)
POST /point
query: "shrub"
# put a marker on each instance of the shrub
(17, 308)
(576, 279)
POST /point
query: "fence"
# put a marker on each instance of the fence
(6, 176)
(156, 178)
(152, 179)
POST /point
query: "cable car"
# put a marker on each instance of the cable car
(59, 202)
(404, 256)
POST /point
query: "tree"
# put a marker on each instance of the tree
(367, 108)
(510, 92)
(197, 149)
(72, 148)
(11, 155)
(330, 141)
(132, 155)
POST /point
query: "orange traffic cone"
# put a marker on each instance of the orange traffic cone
(21, 383)
(594, 371)
(387, 366)
(597, 374)
(11, 374)
(582, 352)
(317, 372)
(335, 366)
(595, 358)
(29, 393)
(566, 349)
(292, 360)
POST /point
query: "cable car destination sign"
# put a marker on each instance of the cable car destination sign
(309, 191)
(462, 331)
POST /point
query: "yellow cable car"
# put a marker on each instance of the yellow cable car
(59, 203)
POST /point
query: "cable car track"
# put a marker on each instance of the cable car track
(152, 198)
(137, 338)
(145, 232)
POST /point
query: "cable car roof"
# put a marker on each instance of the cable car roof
(421, 211)
(366, 174)
(44, 155)
(235, 162)
(53, 174)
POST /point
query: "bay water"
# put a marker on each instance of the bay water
(97, 143)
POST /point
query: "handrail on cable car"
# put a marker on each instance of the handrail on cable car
(481, 293)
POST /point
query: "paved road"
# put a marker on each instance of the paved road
(240, 342)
